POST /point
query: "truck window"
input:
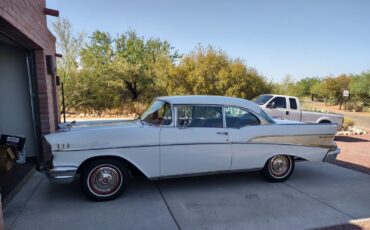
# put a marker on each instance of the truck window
(293, 103)
(280, 102)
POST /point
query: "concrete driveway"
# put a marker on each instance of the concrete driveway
(317, 195)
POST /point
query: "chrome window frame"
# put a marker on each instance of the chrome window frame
(247, 110)
(162, 126)
(210, 105)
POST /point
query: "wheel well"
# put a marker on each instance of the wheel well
(296, 158)
(131, 167)
(325, 121)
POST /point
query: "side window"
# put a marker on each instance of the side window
(237, 118)
(199, 116)
(293, 103)
(280, 102)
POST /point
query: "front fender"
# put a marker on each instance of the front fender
(146, 159)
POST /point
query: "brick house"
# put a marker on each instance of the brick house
(28, 89)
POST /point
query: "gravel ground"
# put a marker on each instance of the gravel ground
(362, 224)
(355, 152)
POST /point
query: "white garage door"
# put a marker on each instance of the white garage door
(15, 101)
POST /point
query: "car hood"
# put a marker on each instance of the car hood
(93, 134)
(100, 124)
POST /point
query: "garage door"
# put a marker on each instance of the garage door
(15, 101)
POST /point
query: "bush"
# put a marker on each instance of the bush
(348, 123)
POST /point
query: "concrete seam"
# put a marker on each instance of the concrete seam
(24, 206)
(320, 201)
(168, 207)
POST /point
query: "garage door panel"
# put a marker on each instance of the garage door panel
(15, 100)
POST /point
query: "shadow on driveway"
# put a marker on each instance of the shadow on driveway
(317, 194)
(349, 139)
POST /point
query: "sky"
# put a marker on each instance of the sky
(279, 38)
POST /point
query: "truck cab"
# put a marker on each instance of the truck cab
(289, 108)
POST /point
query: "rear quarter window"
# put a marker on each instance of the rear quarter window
(293, 103)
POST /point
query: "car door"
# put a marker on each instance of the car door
(292, 112)
(277, 107)
(243, 125)
(198, 143)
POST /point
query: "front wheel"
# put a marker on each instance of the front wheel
(104, 179)
(278, 168)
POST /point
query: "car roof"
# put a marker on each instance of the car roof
(277, 95)
(211, 100)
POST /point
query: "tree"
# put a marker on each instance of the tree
(334, 86)
(305, 85)
(209, 71)
(317, 91)
(97, 92)
(69, 45)
(141, 66)
(360, 89)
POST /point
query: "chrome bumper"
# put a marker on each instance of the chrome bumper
(61, 174)
(332, 155)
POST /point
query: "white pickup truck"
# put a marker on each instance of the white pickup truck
(288, 108)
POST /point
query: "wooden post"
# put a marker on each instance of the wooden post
(63, 104)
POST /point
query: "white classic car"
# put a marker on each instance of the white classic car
(181, 136)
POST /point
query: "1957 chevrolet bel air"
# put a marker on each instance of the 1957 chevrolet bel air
(181, 136)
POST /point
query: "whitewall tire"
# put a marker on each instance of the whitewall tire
(278, 168)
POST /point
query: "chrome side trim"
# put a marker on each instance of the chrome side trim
(204, 173)
(317, 140)
(202, 143)
(61, 174)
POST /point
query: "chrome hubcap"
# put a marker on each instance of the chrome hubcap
(279, 166)
(105, 179)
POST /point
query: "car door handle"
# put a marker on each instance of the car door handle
(287, 112)
(222, 133)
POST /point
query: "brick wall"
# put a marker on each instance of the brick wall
(28, 26)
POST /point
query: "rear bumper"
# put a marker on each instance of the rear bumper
(61, 174)
(332, 155)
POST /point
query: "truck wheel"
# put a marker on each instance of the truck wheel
(278, 168)
(325, 122)
(104, 179)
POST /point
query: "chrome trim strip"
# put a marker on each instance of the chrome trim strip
(142, 146)
(320, 140)
(230, 171)
(302, 145)
(203, 143)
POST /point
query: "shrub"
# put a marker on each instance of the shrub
(348, 123)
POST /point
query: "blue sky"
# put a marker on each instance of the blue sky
(299, 38)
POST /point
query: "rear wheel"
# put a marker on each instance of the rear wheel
(278, 168)
(104, 179)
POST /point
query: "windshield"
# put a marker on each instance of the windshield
(261, 99)
(158, 113)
